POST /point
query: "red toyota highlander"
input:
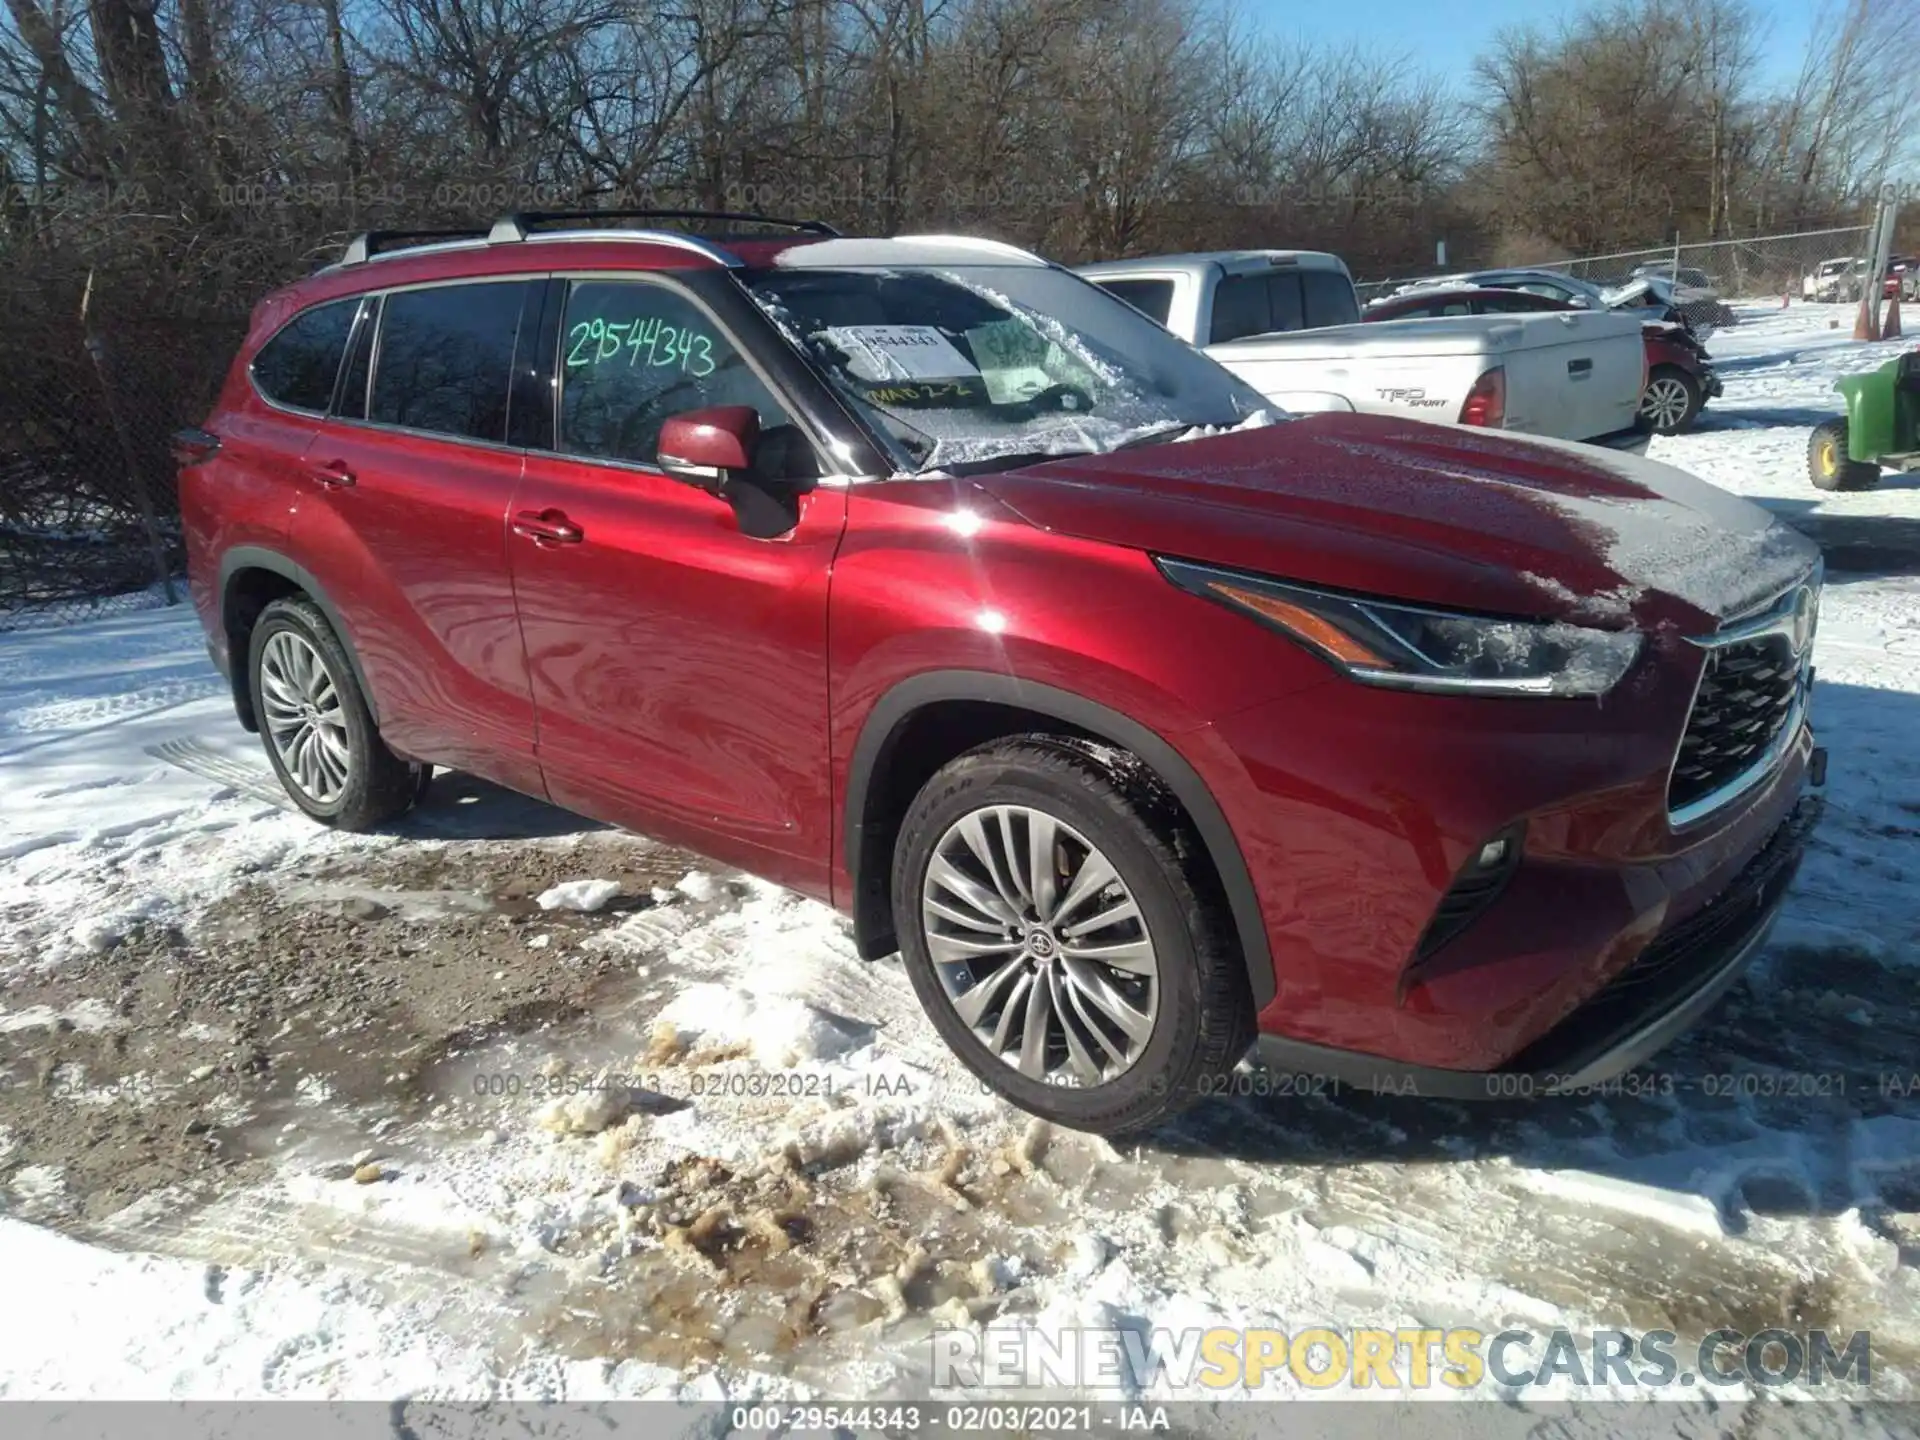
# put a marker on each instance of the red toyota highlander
(925, 578)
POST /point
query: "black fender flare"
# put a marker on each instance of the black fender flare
(258, 557)
(889, 714)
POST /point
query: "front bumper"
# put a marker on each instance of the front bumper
(1674, 981)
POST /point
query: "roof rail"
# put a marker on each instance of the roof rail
(970, 242)
(518, 225)
(365, 246)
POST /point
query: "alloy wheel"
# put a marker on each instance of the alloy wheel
(1665, 402)
(304, 719)
(1041, 948)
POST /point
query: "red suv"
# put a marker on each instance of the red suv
(925, 578)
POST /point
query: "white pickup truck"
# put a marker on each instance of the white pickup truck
(1286, 322)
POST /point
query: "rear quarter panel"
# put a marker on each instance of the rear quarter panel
(244, 494)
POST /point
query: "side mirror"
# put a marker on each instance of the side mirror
(703, 447)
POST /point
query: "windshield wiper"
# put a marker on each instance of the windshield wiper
(1156, 436)
(1012, 460)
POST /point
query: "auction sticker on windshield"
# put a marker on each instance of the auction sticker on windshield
(900, 352)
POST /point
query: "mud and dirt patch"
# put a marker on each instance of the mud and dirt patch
(797, 1259)
(326, 986)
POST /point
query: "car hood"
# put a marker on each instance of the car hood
(1443, 515)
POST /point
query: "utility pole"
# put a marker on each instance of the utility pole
(1876, 277)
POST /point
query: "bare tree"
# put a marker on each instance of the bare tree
(1847, 117)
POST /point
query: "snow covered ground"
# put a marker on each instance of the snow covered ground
(504, 1105)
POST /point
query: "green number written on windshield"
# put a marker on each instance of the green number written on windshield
(611, 342)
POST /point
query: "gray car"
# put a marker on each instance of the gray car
(1550, 283)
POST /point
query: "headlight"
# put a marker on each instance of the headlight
(1410, 648)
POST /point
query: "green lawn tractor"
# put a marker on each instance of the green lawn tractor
(1881, 428)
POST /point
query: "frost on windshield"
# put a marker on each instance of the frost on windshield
(958, 373)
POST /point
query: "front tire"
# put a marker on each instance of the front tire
(1065, 936)
(1671, 402)
(319, 734)
(1828, 464)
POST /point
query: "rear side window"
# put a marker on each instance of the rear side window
(1239, 308)
(296, 368)
(1285, 308)
(1329, 298)
(1517, 302)
(1152, 298)
(631, 355)
(445, 359)
(1274, 304)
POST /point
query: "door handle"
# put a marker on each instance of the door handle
(334, 472)
(546, 527)
(1579, 369)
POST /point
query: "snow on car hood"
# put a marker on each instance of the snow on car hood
(1437, 514)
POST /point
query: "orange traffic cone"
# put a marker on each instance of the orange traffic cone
(1863, 326)
(1890, 328)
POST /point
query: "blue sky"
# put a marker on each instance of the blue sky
(1445, 37)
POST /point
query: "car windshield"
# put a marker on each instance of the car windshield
(979, 367)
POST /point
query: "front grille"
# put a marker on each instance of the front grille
(1748, 692)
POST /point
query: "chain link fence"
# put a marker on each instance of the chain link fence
(1816, 266)
(89, 514)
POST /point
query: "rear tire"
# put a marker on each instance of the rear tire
(319, 734)
(1828, 464)
(1057, 810)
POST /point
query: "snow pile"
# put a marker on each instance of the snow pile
(697, 885)
(777, 1031)
(86, 1015)
(581, 895)
(114, 1327)
(1258, 420)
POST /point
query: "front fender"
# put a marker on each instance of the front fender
(889, 716)
(1871, 406)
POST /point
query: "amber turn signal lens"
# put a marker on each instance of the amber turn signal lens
(1302, 622)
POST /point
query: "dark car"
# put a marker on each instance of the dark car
(1680, 374)
(926, 579)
